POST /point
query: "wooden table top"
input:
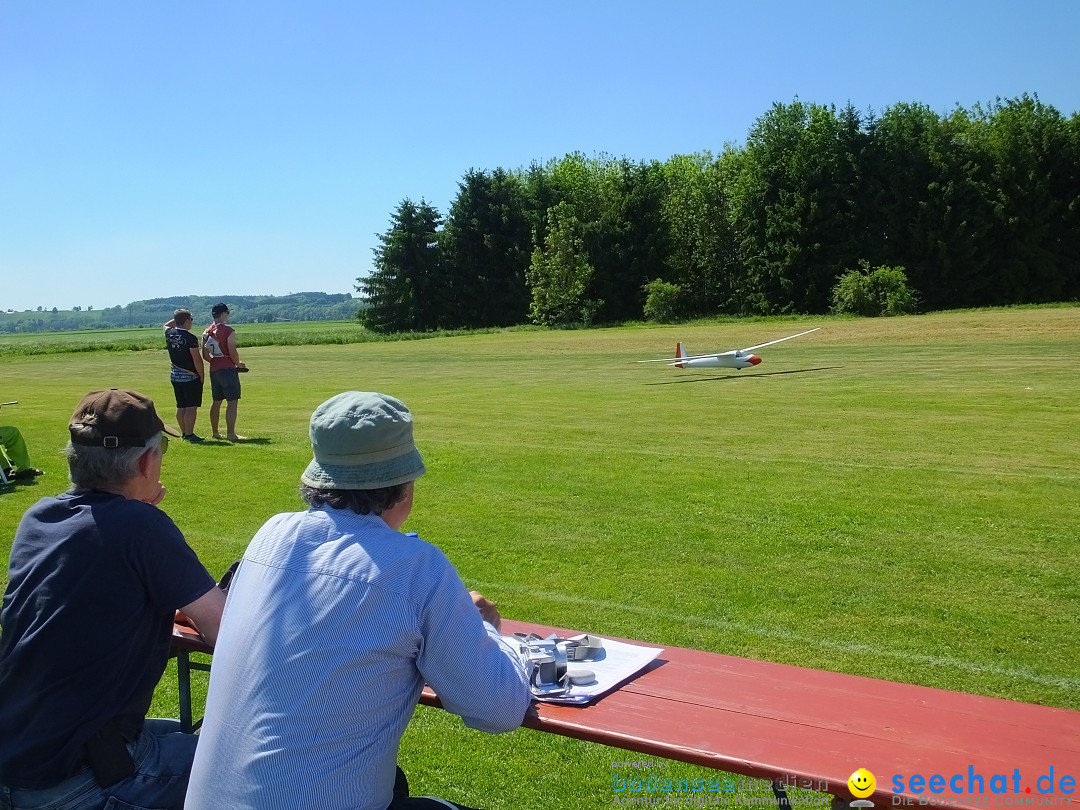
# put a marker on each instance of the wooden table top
(813, 728)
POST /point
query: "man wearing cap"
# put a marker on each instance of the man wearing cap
(335, 620)
(95, 578)
(187, 372)
(219, 349)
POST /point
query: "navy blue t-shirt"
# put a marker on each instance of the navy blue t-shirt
(93, 584)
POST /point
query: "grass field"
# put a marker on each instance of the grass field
(896, 498)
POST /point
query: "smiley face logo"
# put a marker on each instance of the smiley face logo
(861, 783)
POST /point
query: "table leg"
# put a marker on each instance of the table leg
(781, 795)
(183, 683)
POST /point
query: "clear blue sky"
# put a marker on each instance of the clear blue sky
(152, 148)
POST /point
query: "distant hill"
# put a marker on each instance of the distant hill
(303, 306)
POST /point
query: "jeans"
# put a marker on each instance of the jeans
(403, 801)
(162, 757)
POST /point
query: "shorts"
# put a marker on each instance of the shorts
(188, 394)
(225, 384)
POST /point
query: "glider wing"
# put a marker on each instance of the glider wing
(778, 340)
(686, 357)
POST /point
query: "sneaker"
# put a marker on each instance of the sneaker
(27, 474)
(191, 437)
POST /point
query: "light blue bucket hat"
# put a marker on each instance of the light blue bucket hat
(362, 440)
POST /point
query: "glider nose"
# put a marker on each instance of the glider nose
(753, 359)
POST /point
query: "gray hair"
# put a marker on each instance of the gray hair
(106, 467)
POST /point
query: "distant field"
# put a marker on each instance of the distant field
(255, 334)
(895, 498)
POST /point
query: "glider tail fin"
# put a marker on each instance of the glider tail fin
(679, 354)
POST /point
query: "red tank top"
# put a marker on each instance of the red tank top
(216, 342)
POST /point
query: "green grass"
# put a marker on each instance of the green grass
(894, 498)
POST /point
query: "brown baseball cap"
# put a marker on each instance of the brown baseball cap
(116, 418)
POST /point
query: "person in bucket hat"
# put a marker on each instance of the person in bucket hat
(335, 620)
(94, 582)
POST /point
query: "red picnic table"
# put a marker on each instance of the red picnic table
(795, 726)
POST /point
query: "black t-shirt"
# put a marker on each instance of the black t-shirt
(180, 343)
(93, 584)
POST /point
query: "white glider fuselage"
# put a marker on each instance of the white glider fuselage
(732, 359)
(736, 358)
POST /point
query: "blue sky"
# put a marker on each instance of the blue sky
(152, 148)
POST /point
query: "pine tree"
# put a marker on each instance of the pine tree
(406, 291)
(486, 248)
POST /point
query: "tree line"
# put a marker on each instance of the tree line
(304, 306)
(978, 207)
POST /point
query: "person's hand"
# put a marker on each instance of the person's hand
(158, 497)
(489, 612)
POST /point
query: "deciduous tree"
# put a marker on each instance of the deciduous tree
(559, 273)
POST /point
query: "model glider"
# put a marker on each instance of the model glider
(736, 358)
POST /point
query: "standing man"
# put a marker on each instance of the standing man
(334, 622)
(187, 373)
(219, 348)
(95, 579)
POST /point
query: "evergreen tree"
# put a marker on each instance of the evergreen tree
(929, 203)
(632, 241)
(406, 290)
(486, 251)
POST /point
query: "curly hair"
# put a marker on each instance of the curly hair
(361, 501)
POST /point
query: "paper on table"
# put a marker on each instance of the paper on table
(620, 661)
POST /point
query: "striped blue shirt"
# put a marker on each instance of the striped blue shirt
(334, 621)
